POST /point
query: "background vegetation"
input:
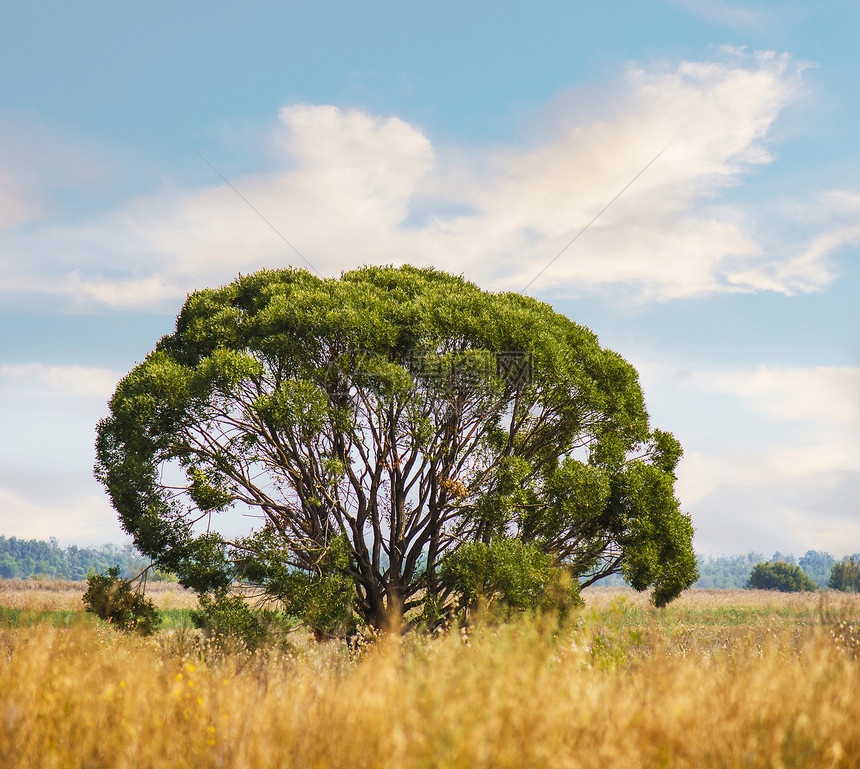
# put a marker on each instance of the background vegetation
(22, 559)
(779, 575)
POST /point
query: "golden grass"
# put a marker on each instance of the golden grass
(620, 685)
(712, 600)
(67, 595)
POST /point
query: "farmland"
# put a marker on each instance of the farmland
(717, 679)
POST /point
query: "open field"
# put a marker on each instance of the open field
(734, 679)
(66, 595)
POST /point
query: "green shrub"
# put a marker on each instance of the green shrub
(226, 618)
(845, 575)
(781, 576)
(114, 600)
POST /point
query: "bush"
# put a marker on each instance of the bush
(226, 619)
(781, 576)
(114, 600)
(845, 575)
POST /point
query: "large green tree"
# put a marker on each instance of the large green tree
(378, 423)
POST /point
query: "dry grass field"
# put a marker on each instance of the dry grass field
(66, 595)
(719, 679)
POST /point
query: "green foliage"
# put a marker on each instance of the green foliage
(656, 539)
(517, 574)
(113, 599)
(23, 558)
(733, 571)
(228, 620)
(845, 575)
(322, 599)
(817, 565)
(727, 572)
(379, 423)
(15, 618)
(782, 576)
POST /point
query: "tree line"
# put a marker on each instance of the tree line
(23, 559)
(732, 572)
(33, 558)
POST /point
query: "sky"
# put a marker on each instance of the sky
(681, 176)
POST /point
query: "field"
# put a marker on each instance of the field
(718, 679)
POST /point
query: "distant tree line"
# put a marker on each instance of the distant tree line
(733, 571)
(26, 558)
(728, 572)
(846, 575)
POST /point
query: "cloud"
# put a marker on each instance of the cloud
(39, 379)
(38, 160)
(351, 188)
(806, 266)
(810, 417)
(83, 519)
(20, 199)
(821, 396)
(785, 471)
(346, 187)
(49, 413)
(735, 16)
(16, 202)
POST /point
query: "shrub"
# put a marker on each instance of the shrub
(226, 618)
(845, 575)
(114, 600)
(781, 576)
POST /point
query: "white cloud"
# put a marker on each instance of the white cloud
(37, 160)
(49, 413)
(34, 379)
(833, 216)
(354, 188)
(83, 519)
(822, 396)
(784, 471)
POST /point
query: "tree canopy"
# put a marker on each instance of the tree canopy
(817, 564)
(23, 558)
(782, 576)
(845, 575)
(376, 425)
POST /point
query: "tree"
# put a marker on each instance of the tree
(818, 565)
(727, 571)
(377, 423)
(782, 576)
(845, 575)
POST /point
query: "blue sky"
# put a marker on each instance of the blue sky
(479, 138)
